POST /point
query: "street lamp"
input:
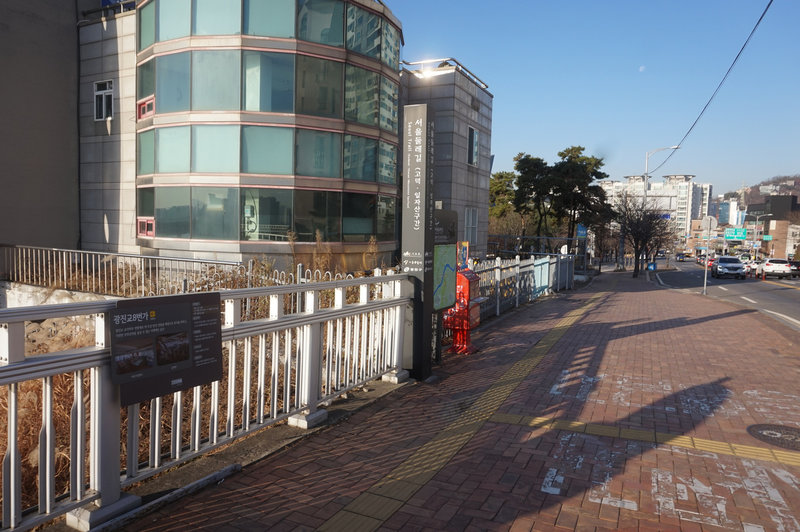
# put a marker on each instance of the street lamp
(647, 165)
(755, 233)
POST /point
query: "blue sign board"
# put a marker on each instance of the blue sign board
(581, 231)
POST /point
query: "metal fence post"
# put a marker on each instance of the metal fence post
(497, 276)
(104, 446)
(310, 371)
(516, 277)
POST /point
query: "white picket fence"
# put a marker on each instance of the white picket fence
(279, 364)
(287, 350)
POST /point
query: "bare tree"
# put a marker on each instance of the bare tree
(646, 228)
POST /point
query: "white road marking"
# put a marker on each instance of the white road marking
(784, 316)
(723, 288)
(749, 300)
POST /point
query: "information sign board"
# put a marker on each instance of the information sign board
(767, 238)
(735, 233)
(444, 276)
(161, 345)
(417, 247)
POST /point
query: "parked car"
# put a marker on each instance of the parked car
(728, 266)
(795, 266)
(775, 267)
(710, 262)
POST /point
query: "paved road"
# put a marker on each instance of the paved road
(779, 298)
(580, 412)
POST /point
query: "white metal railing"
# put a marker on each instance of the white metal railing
(508, 283)
(126, 275)
(278, 363)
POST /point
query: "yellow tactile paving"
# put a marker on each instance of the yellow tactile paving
(573, 426)
(602, 430)
(675, 440)
(420, 468)
(713, 446)
(787, 457)
(637, 434)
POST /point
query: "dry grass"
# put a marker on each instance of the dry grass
(54, 335)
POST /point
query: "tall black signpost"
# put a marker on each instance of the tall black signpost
(418, 231)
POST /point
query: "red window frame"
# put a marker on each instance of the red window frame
(146, 108)
(145, 226)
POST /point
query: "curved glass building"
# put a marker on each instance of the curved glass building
(264, 126)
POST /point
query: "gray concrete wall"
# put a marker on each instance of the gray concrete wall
(108, 148)
(39, 202)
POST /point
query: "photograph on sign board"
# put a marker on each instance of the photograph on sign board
(136, 355)
(172, 348)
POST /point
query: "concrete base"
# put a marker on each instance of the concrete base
(92, 516)
(308, 421)
(396, 377)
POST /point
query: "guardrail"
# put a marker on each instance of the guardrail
(508, 283)
(119, 274)
(279, 364)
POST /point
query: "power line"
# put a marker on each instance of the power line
(725, 77)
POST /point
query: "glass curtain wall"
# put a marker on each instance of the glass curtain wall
(267, 82)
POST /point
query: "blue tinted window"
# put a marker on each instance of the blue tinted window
(363, 32)
(319, 87)
(266, 214)
(174, 19)
(268, 82)
(145, 153)
(173, 82)
(215, 213)
(360, 157)
(272, 18)
(216, 17)
(215, 80)
(319, 153)
(358, 217)
(267, 150)
(361, 95)
(321, 21)
(215, 148)
(173, 146)
(173, 218)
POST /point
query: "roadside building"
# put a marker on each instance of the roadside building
(462, 109)
(227, 129)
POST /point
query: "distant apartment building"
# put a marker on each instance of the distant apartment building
(677, 196)
(227, 129)
(728, 213)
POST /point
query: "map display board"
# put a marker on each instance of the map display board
(162, 345)
(444, 276)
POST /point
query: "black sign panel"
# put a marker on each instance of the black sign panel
(418, 229)
(162, 345)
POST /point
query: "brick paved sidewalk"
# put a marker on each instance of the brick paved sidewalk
(619, 406)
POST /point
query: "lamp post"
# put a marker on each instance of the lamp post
(758, 216)
(647, 165)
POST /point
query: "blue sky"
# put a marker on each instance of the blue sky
(623, 78)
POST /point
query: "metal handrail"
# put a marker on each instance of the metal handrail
(349, 344)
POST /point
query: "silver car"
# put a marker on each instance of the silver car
(728, 266)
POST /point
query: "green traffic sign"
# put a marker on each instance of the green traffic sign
(736, 233)
(767, 237)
